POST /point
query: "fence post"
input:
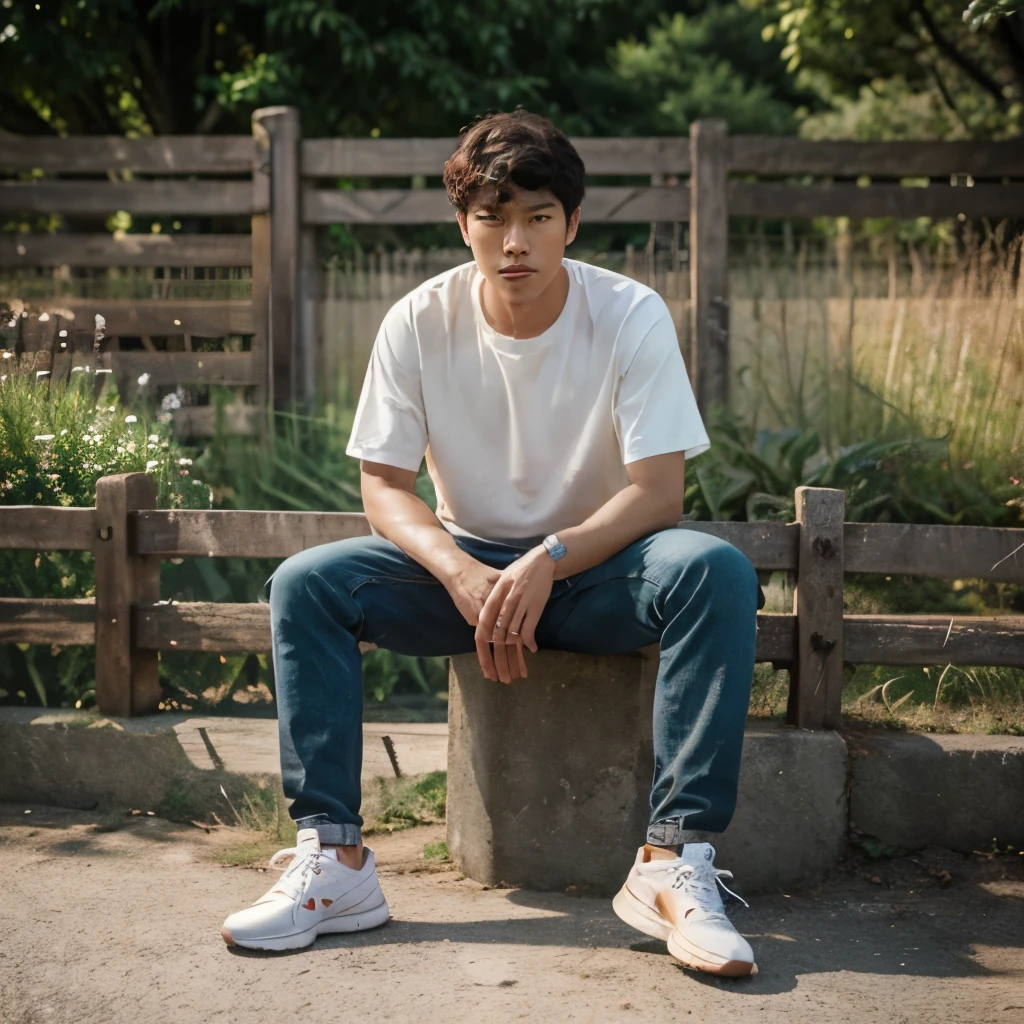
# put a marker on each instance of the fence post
(127, 680)
(709, 263)
(261, 230)
(286, 347)
(816, 687)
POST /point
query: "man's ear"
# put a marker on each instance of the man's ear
(463, 227)
(574, 223)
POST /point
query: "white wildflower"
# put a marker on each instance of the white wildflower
(96, 465)
(150, 465)
(131, 419)
(43, 317)
(172, 401)
(43, 437)
(131, 447)
(63, 432)
(163, 417)
(154, 437)
(144, 380)
(184, 462)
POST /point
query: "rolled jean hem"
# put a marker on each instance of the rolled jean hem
(330, 833)
(672, 832)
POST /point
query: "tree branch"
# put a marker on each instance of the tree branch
(947, 96)
(965, 63)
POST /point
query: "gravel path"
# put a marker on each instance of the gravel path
(122, 926)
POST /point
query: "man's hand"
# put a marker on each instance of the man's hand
(510, 615)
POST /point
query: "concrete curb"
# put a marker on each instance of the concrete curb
(963, 792)
(801, 792)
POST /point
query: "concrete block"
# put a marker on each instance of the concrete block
(957, 791)
(549, 781)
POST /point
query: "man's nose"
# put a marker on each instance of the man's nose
(515, 241)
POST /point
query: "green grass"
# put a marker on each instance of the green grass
(437, 852)
(401, 803)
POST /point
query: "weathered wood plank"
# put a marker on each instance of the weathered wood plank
(187, 367)
(196, 198)
(946, 552)
(261, 228)
(203, 626)
(47, 620)
(613, 205)
(163, 154)
(770, 546)
(772, 200)
(929, 640)
(282, 124)
(127, 680)
(125, 251)
(46, 527)
(205, 318)
(242, 534)
(758, 154)
(325, 158)
(816, 690)
(201, 420)
(244, 628)
(709, 265)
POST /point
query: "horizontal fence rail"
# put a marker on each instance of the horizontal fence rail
(129, 538)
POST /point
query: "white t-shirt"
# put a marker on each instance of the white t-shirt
(526, 436)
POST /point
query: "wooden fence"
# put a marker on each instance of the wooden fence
(128, 622)
(287, 187)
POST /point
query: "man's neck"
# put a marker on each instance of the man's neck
(529, 319)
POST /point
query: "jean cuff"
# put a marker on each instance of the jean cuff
(330, 833)
(667, 832)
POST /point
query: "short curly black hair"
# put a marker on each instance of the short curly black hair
(518, 148)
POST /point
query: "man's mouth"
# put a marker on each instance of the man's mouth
(516, 272)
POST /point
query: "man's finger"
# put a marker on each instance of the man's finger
(501, 662)
(528, 628)
(522, 660)
(483, 653)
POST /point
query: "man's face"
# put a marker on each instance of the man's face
(518, 244)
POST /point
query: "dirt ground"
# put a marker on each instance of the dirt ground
(123, 925)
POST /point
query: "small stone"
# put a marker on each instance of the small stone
(875, 880)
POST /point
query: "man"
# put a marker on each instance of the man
(553, 407)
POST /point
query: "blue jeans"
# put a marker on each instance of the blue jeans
(695, 595)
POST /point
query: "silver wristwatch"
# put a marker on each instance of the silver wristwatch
(554, 547)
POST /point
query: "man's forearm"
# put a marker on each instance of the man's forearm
(406, 520)
(627, 516)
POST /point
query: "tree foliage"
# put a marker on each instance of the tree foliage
(855, 48)
(388, 67)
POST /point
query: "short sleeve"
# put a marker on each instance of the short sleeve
(390, 424)
(654, 408)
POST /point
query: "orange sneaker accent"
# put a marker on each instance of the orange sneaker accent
(310, 904)
(326, 903)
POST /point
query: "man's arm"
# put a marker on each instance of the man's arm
(398, 513)
(653, 501)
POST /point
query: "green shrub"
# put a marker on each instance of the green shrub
(56, 441)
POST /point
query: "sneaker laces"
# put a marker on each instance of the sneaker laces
(699, 883)
(297, 865)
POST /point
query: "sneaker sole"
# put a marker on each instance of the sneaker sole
(701, 960)
(331, 925)
(640, 916)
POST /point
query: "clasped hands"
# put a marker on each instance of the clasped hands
(505, 606)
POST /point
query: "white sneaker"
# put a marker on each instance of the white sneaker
(678, 900)
(316, 894)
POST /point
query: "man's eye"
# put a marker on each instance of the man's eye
(486, 216)
(542, 216)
